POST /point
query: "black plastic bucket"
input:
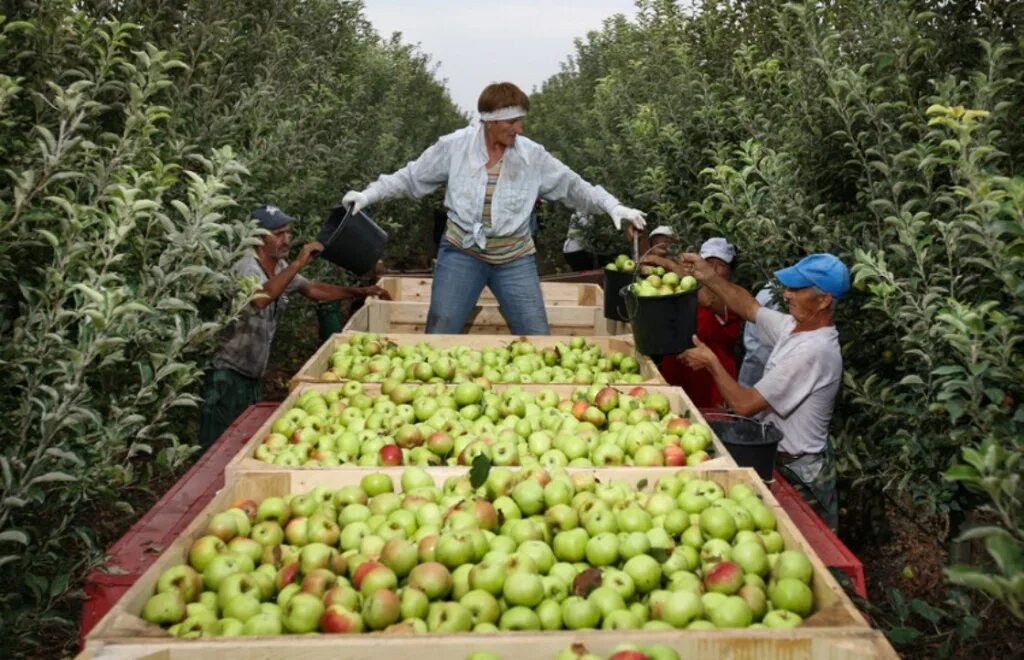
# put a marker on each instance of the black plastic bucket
(662, 324)
(614, 305)
(750, 442)
(354, 242)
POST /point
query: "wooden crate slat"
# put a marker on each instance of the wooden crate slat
(411, 317)
(417, 289)
(800, 644)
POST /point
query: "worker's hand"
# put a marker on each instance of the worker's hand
(698, 357)
(693, 264)
(374, 291)
(308, 251)
(632, 216)
(355, 201)
(656, 257)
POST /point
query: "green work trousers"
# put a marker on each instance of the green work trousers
(227, 394)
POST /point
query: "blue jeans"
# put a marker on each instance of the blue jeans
(459, 278)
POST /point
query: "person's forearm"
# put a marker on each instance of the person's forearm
(324, 292)
(277, 285)
(735, 297)
(745, 401)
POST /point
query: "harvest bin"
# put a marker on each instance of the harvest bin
(835, 629)
(556, 294)
(244, 461)
(485, 319)
(321, 360)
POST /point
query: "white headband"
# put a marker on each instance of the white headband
(501, 114)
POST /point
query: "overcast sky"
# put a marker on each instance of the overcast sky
(476, 43)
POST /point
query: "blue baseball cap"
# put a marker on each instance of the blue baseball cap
(824, 271)
(270, 217)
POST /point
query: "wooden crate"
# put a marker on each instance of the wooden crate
(486, 319)
(321, 360)
(556, 294)
(245, 461)
(834, 630)
(800, 644)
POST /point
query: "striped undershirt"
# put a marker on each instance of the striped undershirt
(500, 249)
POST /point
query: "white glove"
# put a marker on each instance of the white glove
(635, 217)
(355, 201)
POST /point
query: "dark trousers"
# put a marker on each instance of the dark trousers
(226, 395)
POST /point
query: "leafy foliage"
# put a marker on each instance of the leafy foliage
(134, 137)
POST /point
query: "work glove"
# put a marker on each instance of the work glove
(355, 201)
(633, 216)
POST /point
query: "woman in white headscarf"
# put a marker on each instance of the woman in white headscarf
(493, 177)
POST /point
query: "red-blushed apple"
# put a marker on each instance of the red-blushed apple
(674, 456)
(339, 619)
(288, 574)
(381, 608)
(248, 505)
(725, 577)
(400, 556)
(432, 578)
(318, 581)
(390, 455)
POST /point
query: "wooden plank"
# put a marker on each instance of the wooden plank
(417, 289)
(832, 628)
(313, 369)
(796, 644)
(411, 317)
(245, 461)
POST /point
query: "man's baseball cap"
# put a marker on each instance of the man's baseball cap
(663, 230)
(270, 217)
(824, 271)
(719, 248)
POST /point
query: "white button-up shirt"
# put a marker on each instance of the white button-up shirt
(459, 160)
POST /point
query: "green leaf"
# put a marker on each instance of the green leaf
(480, 470)
(901, 635)
(14, 536)
(980, 532)
(50, 477)
(968, 576)
(1006, 552)
(961, 473)
(928, 612)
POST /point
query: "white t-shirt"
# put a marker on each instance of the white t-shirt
(800, 382)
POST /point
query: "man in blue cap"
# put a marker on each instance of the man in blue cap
(235, 380)
(803, 373)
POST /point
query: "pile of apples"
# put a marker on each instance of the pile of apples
(371, 358)
(658, 282)
(435, 424)
(623, 264)
(531, 549)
